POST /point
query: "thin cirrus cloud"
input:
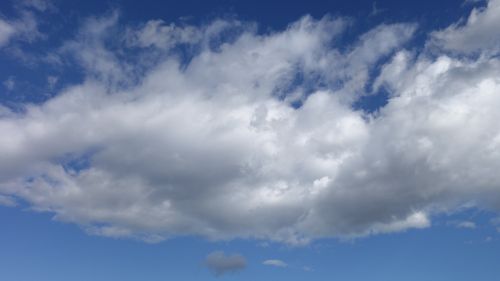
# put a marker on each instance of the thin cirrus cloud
(275, 263)
(467, 224)
(463, 224)
(25, 26)
(229, 144)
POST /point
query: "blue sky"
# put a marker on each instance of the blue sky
(238, 140)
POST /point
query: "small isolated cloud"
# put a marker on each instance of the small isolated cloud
(52, 81)
(307, 268)
(220, 263)
(10, 83)
(464, 224)
(376, 10)
(276, 263)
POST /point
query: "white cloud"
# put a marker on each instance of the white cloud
(89, 50)
(466, 224)
(161, 35)
(6, 32)
(25, 28)
(276, 263)
(39, 5)
(9, 83)
(463, 224)
(478, 33)
(220, 263)
(212, 146)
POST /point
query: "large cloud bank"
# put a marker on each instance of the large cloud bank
(256, 135)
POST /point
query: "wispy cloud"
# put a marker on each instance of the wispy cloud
(9, 83)
(274, 262)
(23, 28)
(463, 224)
(7, 201)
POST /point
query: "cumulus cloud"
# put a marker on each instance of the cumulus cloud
(276, 263)
(478, 33)
(220, 263)
(255, 135)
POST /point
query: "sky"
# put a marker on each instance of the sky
(244, 140)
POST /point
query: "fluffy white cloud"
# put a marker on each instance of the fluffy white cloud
(255, 135)
(478, 33)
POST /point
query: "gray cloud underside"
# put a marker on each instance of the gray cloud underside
(159, 147)
(220, 263)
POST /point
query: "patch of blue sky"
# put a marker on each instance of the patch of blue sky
(57, 251)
